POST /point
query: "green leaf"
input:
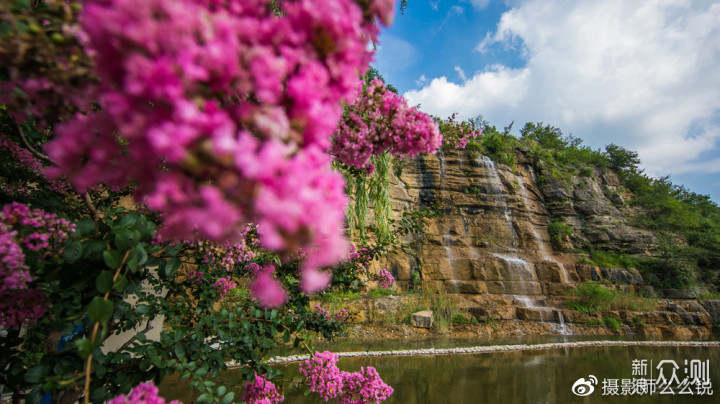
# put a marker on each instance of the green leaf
(100, 310)
(104, 282)
(173, 250)
(73, 251)
(228, 398)
(112, 258)
(171, 266)
(129, 220)
(126, 239)
(220, 391)
(120, 283)
(142, 309)
(85, 227)
(204, 398)
(138, 257)
(36, 373)
(179, 350)
(93, 249)
(84, 346)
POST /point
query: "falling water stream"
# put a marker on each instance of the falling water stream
(497, 191)
(546, 255)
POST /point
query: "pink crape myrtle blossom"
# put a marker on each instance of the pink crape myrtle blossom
(143, 393)
(261, 391)
(385, 278)
(342, 316)
(322, 312)
(380, 121)
(323, 376)
(268, 290)
(38, 232)
(24, 159)
(364, 386)
(221, 113)
(224, 285)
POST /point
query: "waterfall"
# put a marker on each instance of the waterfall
(561, 327)
(449, 255)
(542, 246)
(558, 325)
(496, 189)
(519, 267)
(441, 158)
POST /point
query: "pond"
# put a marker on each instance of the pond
(542, 376)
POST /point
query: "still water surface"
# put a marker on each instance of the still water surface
(545, 376)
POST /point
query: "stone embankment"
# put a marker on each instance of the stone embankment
(501, 348)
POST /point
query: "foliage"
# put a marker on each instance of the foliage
(612, 322)
(210, 125)
(558, 231)
(457, 135)
(593, 297)
(612, 259)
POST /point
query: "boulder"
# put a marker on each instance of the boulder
(713, 308)
(678, 294)
(588, 272)
(422, 319)
(549, 271)
(620, 275)
(538, 314)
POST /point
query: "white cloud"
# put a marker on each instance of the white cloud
(421, 80)
(478, 4)
(394, 55)
(640, 74)
(461, 73)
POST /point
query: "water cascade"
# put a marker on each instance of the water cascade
(542, 246)
(496, 190)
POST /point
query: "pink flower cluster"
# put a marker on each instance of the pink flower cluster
(27, 161)
(380, 121)
(195, 276)
(36, 231)
(261, 391)
(364, 386)
(342, 316)
(267, 289)
(221, 111)
(224, 285)
(458, 134)
(385, 278)
(143, 393)
(322, 312)
(323, 376)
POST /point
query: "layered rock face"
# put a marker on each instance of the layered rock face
(490, 247)
(491, 236)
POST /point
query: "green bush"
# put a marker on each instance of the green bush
(382, 292)
(593, 297)
(612, 259)
(582, 308)
(558, 230)
(612, 322)
(593, 294)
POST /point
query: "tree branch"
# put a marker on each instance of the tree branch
(41, 156)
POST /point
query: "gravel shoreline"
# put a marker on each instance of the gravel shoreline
(498, 348)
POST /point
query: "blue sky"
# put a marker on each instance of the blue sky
(641, 74)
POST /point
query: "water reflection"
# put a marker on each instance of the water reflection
(508, 377)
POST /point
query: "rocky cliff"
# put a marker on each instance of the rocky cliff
(491, 234)
(491, 241)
